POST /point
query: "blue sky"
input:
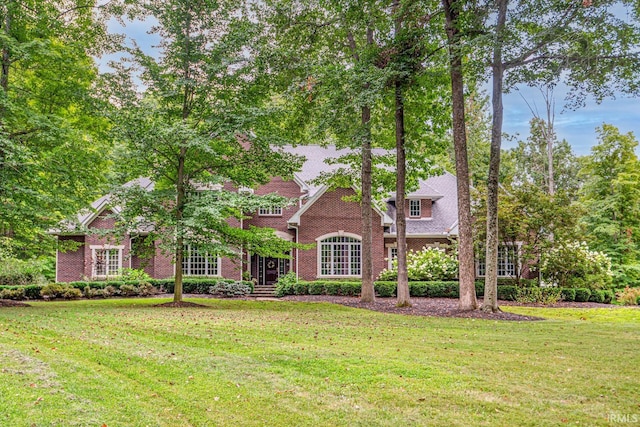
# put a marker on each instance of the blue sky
(578, 127)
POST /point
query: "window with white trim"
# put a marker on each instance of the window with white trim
(393, 254)
(271, 211)
(107, 261)
(340, 256)
(196, 262)
(506, 261)
(414, 207)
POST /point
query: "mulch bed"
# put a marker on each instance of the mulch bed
(179, 304)
(439, 307)
(11, 303)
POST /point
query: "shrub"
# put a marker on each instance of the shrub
(90, 292)
(132, 274)
(385, 289)
(60, 290)
(350, 288)
(597, 295)
(316, 288)
(426, 264)
(230, 289)
(284, 285)
(538, 295)
(146, 289)
(507, 293)
(629, 296)
(128, 290)
(71, 293)
(15, 293)
(573, 265)
(16, 272)
(301, 288)
(110, 291)
(568, 294)
(52, 290)
(609, 295)
(583, 294)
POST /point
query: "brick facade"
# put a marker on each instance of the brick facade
(331, 214)
(327, 215)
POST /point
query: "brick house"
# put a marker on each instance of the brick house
(321, 217)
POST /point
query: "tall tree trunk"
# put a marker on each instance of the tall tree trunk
(367, 293)
(401, 178)
(6, 58)
(401, 223)
(549, 138)
(180, 201)
(466, 263)
(497, 71)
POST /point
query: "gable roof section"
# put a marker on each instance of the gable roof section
(444, 210)
(385, 220)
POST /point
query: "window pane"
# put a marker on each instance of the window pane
(340, 256)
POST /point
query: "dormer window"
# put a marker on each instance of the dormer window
(414, 208)
(272, 211)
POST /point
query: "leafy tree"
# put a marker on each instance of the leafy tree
(611, 197)
(527, 218)
(531, 162)
(52, 135)
(456, 17)
(543, 41)
(346, 58)
(199, 132)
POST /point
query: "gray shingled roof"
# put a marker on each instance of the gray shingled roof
(441, 189)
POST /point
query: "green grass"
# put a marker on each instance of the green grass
(244, 363)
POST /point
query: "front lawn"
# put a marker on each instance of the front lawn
(242, 363)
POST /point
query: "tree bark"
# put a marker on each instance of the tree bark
(466, 269)
(403, 295)
(401, 223)
(367, 293)
(180, 201)
(497, 72)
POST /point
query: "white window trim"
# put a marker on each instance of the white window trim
(270, 211)
(340, 233)
(517, 245)
(390, 256)
(419, 208)
(94, 248)
(218, 269)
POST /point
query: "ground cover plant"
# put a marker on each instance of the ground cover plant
(232, 362)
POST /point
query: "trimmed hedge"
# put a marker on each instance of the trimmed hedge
(191, 286)
(583, 294)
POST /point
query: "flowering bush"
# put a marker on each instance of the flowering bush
(574, 265)
(426, 264)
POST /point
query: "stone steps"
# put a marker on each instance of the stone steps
(263, 291)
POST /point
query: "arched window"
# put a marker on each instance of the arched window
(340, 256)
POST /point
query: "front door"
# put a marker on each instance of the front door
(269, 269)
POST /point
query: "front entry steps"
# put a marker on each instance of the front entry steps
(264, 291)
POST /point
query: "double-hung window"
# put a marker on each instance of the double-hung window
(414, 208)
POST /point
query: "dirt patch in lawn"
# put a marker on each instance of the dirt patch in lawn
(437, 307)
(12, 303)
(180, 304)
